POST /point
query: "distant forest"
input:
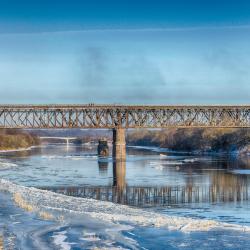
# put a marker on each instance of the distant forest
(200, 139)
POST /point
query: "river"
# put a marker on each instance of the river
(180, 190)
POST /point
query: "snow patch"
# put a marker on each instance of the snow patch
(70, 157)
(241, 171)
(6, 165)
(59, 240)
(18, 149)
(191, 160)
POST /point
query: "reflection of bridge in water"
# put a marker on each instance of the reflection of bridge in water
(223, 188)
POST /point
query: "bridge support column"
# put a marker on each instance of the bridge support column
(119, 144)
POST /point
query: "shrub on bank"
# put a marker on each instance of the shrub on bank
(13, 140)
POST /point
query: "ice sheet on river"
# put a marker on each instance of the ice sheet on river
(42, 201)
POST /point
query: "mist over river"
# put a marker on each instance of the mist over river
(65, 197)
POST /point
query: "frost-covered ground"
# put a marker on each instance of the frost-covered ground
(22, 229)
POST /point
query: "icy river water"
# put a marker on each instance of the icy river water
(59, 197)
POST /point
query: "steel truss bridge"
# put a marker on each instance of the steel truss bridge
(121, 116)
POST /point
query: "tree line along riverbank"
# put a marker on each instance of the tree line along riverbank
(189, 139)
(194, 139)
(17, 139)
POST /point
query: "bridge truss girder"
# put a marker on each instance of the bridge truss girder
(100, 116)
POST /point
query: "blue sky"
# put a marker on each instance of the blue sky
(145, 52)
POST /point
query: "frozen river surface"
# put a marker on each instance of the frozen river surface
(156, 200)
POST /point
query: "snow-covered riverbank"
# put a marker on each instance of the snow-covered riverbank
(17, 149)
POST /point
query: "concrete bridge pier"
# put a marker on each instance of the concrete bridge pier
(119, 144)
